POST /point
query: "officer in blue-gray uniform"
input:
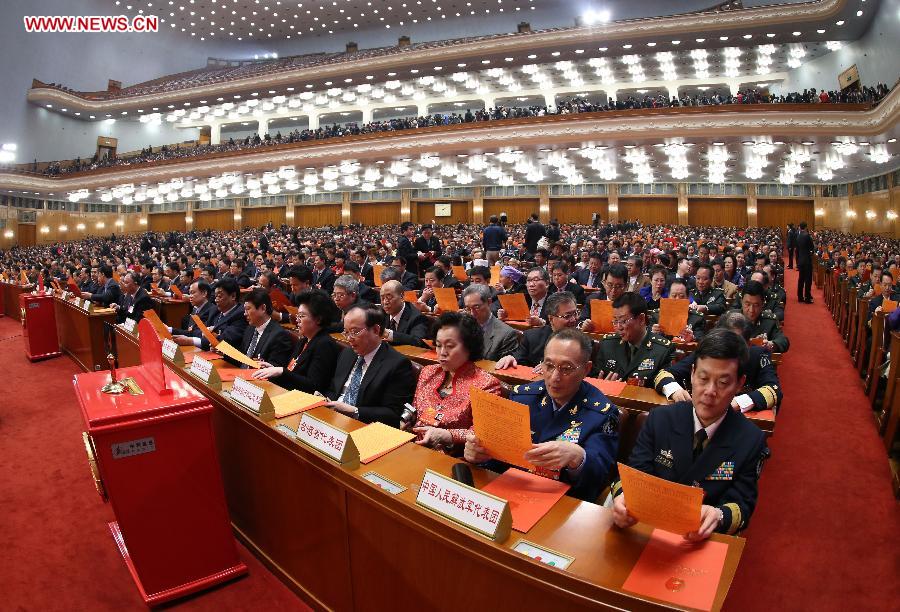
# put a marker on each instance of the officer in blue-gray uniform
(575, 428)
(703, 442)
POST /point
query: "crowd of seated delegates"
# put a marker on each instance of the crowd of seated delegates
(564, 107)
(328, 275)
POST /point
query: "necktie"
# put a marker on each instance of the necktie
(393, 324)
(253, 342)
(350, 396)
(590, 280)
(699, 439)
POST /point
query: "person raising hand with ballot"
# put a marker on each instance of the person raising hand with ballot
(575, 428)
(703, 443)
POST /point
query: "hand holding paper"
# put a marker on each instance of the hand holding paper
(661, 503)
(503, 427)
(229, 351)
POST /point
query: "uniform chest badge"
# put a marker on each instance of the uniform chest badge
(647, 364)
(572, 433)
(723, 472)
(611, 363)
(665, 458)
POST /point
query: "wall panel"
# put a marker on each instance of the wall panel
(375, 213)
(222, 219)
(167, 222)
(517, 209)
(317, 215)
(26, 234)
(460, 212)
(578, 210)
(778, 213)
(878, 202)
(257, 217)
(721, 212)
(649, 211)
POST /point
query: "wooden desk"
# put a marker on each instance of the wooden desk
(171, 310)
(10, 298)
(341, 543)
(81, 333)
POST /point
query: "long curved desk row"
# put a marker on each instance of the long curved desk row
(342, 543)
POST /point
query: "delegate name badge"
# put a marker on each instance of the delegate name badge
(201, 368)
(129, 325)
(332, 442)
(247, 395)
(465, 505)
(169, 349)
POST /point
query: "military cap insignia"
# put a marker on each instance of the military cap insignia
(611, 363)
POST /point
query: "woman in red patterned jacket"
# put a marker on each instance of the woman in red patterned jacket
(444, 414)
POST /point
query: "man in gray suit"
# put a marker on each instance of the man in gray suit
(499, 338)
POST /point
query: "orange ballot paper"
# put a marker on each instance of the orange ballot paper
(210, 337)
(377, 439)
(377, 269)
(523, 372)
(161, 329)
(610, 388)
(888, 305)
(602, 315)
(229, 374)
(410, 296)
(459, 273)
(503, 427)
(530, 496)
(295, 401)
(229, 351)
(495, 275)
(677, 571)
(515, 306)
(446, 299)
(673, 316)
(661, 503)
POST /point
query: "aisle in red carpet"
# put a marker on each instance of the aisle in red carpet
(825, 532)
(58, 552)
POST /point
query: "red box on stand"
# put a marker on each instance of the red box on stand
(154, 458)
(39, 326)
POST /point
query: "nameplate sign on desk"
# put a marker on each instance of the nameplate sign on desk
(171, 352)
(327, 439)
(129, 325)
(466, 506)
(383, 483)
(253, 398)
(77, 302)
(204, 370)
(543, 555)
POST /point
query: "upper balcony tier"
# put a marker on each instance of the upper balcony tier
(818, 21)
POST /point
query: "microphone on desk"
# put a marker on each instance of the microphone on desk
(463, 473)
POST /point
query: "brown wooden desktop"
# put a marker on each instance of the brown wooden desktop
(342, 543)
(11, 293)
(81, 333)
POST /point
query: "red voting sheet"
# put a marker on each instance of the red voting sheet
(229, 374)
(610, 388)
(677, 571)
(208, 355)
(523, 372)
(530, 496)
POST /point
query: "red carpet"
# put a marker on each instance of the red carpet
(58, 552)
(824, 535)
(826, 529)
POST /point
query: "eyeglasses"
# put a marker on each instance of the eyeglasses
(568, 316)
(622, 322)
(614, 287)
(352, 335)
(535, 279)
(338, 296)
(564, 370)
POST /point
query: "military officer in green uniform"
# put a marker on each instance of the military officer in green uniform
(707, 299)
(633, 353)
(574, 426)
(696, 323)
(763, 323)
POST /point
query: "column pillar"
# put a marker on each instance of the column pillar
(314, 121)
(752, 213)
(673, 90)
(611, 95)
(405, 205)
(263, 128)
(550, 99)
(189, 215)
(215, 133)
(345, 208)
(682, 204)
(613, 200)
(421, 109)
(734, 86)
(237, 212)
(488, 102)
(289, 209)
(544, 203)
(477, 205)
(366, 115)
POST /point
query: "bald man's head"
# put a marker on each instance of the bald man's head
(392, 297)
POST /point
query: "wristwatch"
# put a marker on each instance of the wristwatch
(355, 415)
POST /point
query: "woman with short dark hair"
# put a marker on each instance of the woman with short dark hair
(313, 361)
(444, 414)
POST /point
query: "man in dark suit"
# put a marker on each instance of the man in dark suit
(237, 272)
(534, 231)
(537, 290)
(323, 276)
(361, 257)
(264, 339)
(562, 313)
(372, 381)
(560, 281)
(133, 301)
(228, 325)
(200, 306)
(428, 247)
(396, 270)
(109, 292)
(805, 250)
(704, 442)
(405, 324)
(791, 244)
(405, 249)
(590, 276)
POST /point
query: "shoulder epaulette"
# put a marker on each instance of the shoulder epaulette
(532, 388)
(610, 336)
(767, 314)
(659, 340)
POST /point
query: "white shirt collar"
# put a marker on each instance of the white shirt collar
(368, 357)
(397, 316)
(710, 429)
(262, 327)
